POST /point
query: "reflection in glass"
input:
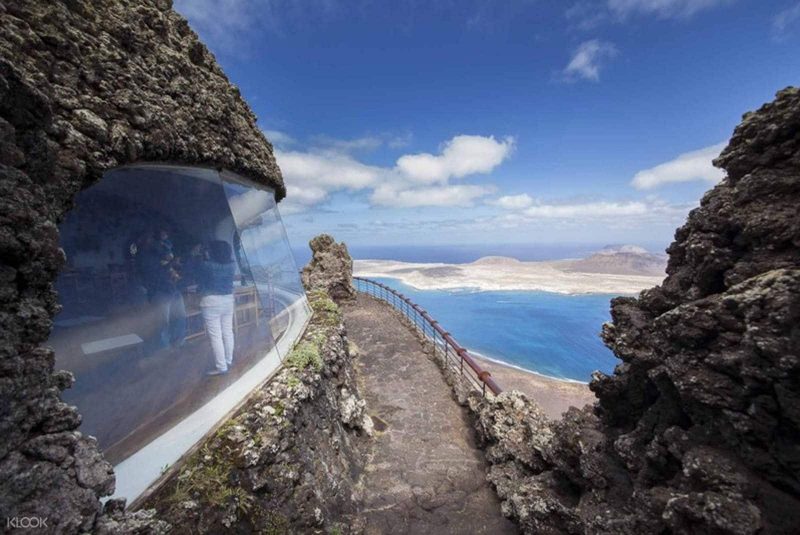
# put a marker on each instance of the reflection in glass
(170, 302)
(263, 242)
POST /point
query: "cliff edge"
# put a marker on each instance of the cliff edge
(698, 429)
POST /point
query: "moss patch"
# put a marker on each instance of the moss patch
(326, 311)
(305, 354)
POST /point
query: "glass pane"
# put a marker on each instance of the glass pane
(158, 292)
(273, 271)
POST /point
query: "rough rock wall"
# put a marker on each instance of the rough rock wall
(288, 461)
(330, 269)
(86, 86)
(698, 429)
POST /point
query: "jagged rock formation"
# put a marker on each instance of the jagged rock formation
(698, 429)
(86, 86)
(288, 461)
(330, 269)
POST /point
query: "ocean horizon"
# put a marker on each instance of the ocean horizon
(462, 254)
(551, 334)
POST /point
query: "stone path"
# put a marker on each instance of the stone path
(425, 474)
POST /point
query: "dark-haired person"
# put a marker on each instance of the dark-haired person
(162, 282)
(215, 284)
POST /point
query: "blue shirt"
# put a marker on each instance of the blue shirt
(215, 279)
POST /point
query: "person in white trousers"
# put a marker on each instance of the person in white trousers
(218, 317)
(215, 283)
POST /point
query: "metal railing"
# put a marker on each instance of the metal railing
(453, 354)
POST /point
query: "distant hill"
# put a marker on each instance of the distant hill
(620, 260)
(496, 260)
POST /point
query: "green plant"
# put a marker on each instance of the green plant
(276, 524)
(292, 381)
(208, 477)
(305, 354)
(326, 311)
(225, 428)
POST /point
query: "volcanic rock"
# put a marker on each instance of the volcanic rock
(698, 428)
(330, 269)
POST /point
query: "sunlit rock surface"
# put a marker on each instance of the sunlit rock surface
(86, 86)
(698, 429)
(330, 269)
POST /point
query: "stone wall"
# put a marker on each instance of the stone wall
(289, 460)
(85, 86)
(698, 429)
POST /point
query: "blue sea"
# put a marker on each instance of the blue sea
(461, 254)
(548, 333)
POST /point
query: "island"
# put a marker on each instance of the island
(612, 270)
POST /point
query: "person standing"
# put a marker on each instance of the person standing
(161, 281)
(215, 284)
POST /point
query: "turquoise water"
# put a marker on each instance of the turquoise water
(552, 334)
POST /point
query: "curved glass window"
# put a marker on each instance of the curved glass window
(179, 297)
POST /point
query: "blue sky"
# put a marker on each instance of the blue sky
(521, 121)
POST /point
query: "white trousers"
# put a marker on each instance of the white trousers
(218, 317)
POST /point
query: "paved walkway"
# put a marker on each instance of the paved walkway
(425, 474)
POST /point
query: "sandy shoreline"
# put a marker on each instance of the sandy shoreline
(555, 396)
(506, 274)
(630, 274)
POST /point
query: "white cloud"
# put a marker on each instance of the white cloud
(588, 58)
(365, 143)
(416, 180)
(327, 169)
(695, 165)
(229, 26)
(588, 14)
(446, 195)
(219, 22)
(785, 20)
(513, 202)
(279, 139)
(650, 212)
(461, 156)
(590, 210)
(399, 141)
(311, 176)
(661, 8)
